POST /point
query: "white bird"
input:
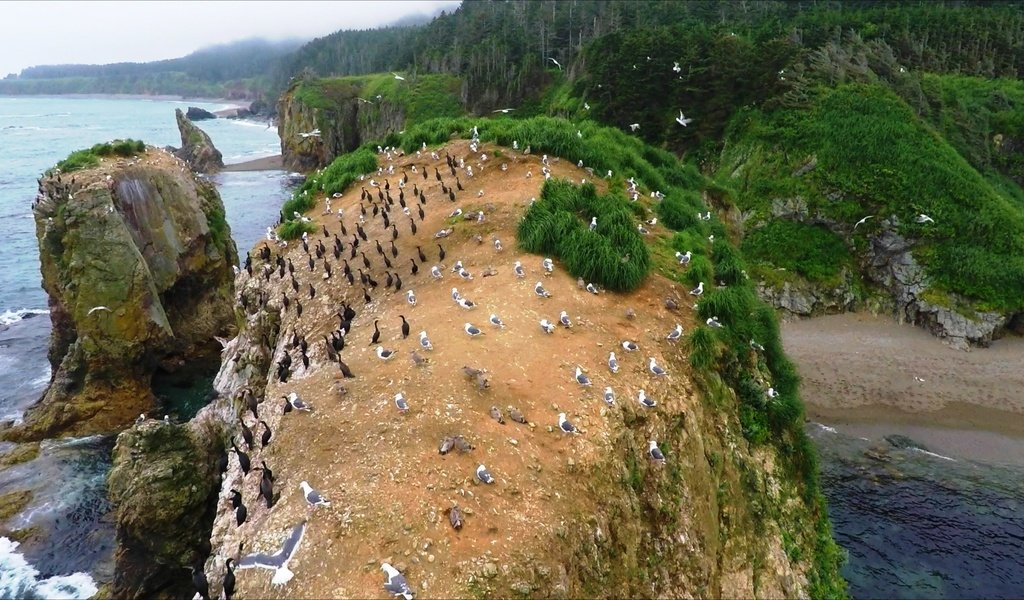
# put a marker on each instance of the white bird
(593, 223)
(140, 419)
(643, 230)
(563, 318)
(518, 270)
(455, 294)
(713, 322)
(654, 452)
(644, 400)
(484, 475)
(385, 354)
(425, 341)
(547, 326)
(682, 120)
(634, 126)
(313, 497)
(581, 378)
(397, 76)
(400, 403)
(755, 345)
(684, 259)
(548, 265)
(96, 308)
(592, 288)
(309, 134)
(504, 110)
(496, 321)
(675, 67)
(613, 363)
(586, 106)
(435, 272)
(630, 346)
(862, 221)
(465, 275)
(923, 218)
(565, 425)
(540, 291)
(698, 290)
(557, 64)
(655, 369)
(772, 393)
(396, 584)
(652, 221)
(278, 561)
(410, 297)
(675, 334)
(466, 303)
(609, 396)
(297, 403)
(472, 330)
(497, 245)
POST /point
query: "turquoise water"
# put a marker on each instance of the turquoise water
(74, 541)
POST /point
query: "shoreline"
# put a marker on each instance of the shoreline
(266, 163)
(870, 374)
(160, 97)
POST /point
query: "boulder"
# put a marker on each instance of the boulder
(137, 261)
(195, 113)
(196, 147)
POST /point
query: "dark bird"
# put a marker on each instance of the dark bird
(455, 517)
(387, 262)
(422, 214)
(458, 184)
(250, 402)
(394, 232)
(366, 296)
(415, 267)
(298, 307)
(243, 458)
(246, 433)
(366, 261)
(362, 234)
(423, 257)
(405, 327)
(389, 279)
(437, 174)
(398, 282)
(380, 249)
(265, 438)
(199, 582)
(295, 285)
(376, 333)
(345, 371)
(312, 292)
(412, 226)
(440, 253)
(240, 514)
(267, 488)
(394, 250)
(229, 579)
(236, 499)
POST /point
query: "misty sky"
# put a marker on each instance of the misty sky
(42, 33)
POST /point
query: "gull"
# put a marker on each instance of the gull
(586, 106)
(771, 393)
(435, 272)
(563, 318)
(613, 363)
(425, 341)
(455, 294)
(484, 475)
(634, 126)
(557, 64)
(675, 334)
(923, 218)
(472, 330)
(279, 560)
(504, 110)
(698, 290)
(643, 230)
(682, 120)
(397, 76)
(630, 346)
(652, 221)
(400, 403)
(655, 369)
(755, 345)
(364, 100)
(684, 259)
(654, 452)
(862, 221)
(579, 134)
(593, 223)
(675, 67)
(384, 354)
(713, 322)
(581, 378)
(396, 584)
(496, 321)
(466, 303)
(547, 326)
(518, 270)
(96, 308)
(309, 134)
(592, 288)
(313, 497)
(609, 396)
(565, 425)
(410, 297)
(548, 265)
(643, 399)
(497, 245)
(540, 291)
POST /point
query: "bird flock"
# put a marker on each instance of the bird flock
(372, 268)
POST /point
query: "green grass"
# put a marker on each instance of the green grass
(334, 178)
(422, 97)
(90, 157)
(290, 230)
(613, 256)
(812, 251)
(876, 157)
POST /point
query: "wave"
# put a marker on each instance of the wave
(19, 579)
(13, 316)
(826, 427)
(922, 451)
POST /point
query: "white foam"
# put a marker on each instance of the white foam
(13, 316)
(934, 454)
(826, 427)
(41, 381)
(19, 579)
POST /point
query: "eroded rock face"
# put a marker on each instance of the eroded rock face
(195, 113)
(196, 147)
(137, 261)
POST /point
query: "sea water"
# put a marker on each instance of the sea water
(71, 547)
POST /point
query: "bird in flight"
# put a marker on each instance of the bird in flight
(862, 221)
(557, 64)
(504, 110)
(682, 120)
(397, 76)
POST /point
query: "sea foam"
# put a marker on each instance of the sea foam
(19, 579)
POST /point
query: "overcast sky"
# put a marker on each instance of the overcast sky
(44, 33)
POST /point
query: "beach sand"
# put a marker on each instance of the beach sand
(872, 374)
(268, 163)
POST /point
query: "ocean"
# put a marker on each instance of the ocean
(70, 549)
(915, 524)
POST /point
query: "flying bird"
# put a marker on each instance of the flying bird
(278, 562)
(923, 218)
(862, 221)
(397, 76)
(96, 308)
(682, 120)
(557, 64)
(504, 110)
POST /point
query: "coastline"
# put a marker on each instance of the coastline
(237, 103)
(266, 163)
(873, 375)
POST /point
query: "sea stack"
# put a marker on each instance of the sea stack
(136, 259)
(196, 147)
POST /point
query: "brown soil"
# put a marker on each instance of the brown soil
(859, 368)
(389, 486)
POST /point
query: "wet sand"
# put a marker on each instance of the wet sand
(267, 163)
(873, 375)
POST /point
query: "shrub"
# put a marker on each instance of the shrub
(90, 157)
(703, 348)
(811, 251)
(290, 230)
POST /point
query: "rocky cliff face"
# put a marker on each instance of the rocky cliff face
(344, 123)
(196, 147)
(137, 262)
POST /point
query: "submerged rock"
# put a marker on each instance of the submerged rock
(136, 258)
(196, 147)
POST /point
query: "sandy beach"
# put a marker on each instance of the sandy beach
(868, 372)
(267, 163)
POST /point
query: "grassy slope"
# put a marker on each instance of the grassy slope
(422, 97)
(874, 156)
(731, 374)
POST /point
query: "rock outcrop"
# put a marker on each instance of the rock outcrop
(137, 261)
(196, 147)
(194, 113)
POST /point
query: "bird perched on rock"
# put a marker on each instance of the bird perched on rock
(645, 401)
(400, 403)
(297, 403)
(484, 475)
(655, 369)
(313, 497)
(496, 321)
(630, 346)
(518, 270)
(472, 330)
(699, 290)
(675, 334)
(547, 326)
(384, 354)
(654, 452)
(540, 291)
(563, 318)
(581, 378)
(565, 425)
(548, 265)
(613, 363)
(455, 517)
(516, 415)
(396, 584)
(609, 396)
(497, 416)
